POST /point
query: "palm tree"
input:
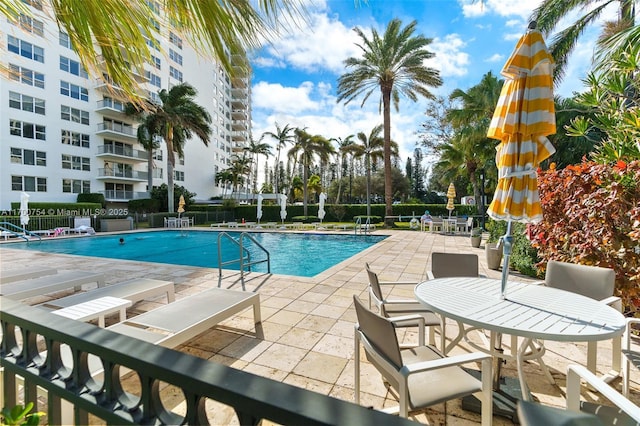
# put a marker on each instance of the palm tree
(305, 148)
(146, 135)
(239, 170)
(345, 147)
(283, 136)
(224, 177)
(257, 148)
(113, 32)
(372, 148)
(177, 118)
(552, 12)
(394, 64)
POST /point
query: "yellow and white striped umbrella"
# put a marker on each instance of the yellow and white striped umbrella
(523, 118)
(451, 195)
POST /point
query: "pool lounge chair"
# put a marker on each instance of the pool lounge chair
(20, 290)
(133, 290)
(18, 274)
(175, 323)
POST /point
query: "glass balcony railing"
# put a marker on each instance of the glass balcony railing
(117, 128)
(123, 151)
(113, 195)
(127, 174)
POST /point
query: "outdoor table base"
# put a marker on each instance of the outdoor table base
(505, 399)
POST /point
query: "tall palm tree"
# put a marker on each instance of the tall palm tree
(114, 32)
(305, 149)
(393, 64)
(240, 169)
(257, 148)
(177, 118)
(345, 147)
(372, 148)
(283, 136)
(224, 177)
(552, 12)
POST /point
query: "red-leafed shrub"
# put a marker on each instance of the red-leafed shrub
(592, 217)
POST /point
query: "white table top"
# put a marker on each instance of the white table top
(534, 311)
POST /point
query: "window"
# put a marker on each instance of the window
(154, 44)
(178, 175)
(31, 25)
(37, 4)
(154, 6)
(28, 157)
(26, 103)
(72, 67)
(175, 40)
(156, 62)
(175, 74)
(74, 115)
(28, 183)
(76, 186)
(26, 76)
(155, 24)
(22, 48)
(153, 79)
(74, 162)
(74, 91)
(75, 139)
(65, 40)
(157, 155)
(27, 130)
(175, 56)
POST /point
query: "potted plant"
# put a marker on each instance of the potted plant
(476, 237)
(493, 246)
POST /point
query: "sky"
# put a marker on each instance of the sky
(295, 76)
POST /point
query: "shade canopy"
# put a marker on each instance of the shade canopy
(523, 118)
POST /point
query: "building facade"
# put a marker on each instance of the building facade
(64, 132)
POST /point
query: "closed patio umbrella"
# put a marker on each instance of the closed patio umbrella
(451, 195)
(259, 211)
(181, 204)
(24, 210)
(523, 118)
(321, 212)
(283, 206)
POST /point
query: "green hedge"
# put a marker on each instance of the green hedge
(92, 198)
(145, 205)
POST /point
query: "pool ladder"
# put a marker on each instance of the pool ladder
(359, 228)
(245, 256)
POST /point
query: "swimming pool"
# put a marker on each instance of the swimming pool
(303, 255)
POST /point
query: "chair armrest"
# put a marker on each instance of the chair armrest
(536, 283)
(614, 302)
(445, 362)
(577, 372)
(404, 302)
(430, 276)
(626, 345)
(397, 283)
(411, 320)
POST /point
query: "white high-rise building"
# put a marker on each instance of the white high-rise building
(63, 132)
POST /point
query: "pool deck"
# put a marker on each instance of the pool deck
(306, 337)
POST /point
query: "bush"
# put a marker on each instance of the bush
(145, 205)
(372, 219)
(592, 217)
(92, 198)
(524, 257)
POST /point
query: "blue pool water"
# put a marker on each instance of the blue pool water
(303, 255)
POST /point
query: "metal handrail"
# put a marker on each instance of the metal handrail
(245, 256)
(3, 226)
(359, 227)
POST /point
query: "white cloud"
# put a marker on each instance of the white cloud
(450, 60)
(284, 99)
(473, 9)
(324, 44)
(496, 57)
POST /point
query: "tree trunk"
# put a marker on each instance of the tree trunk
(368, 166)
(388, 195)
(150, 173)
(171, 161)
(305, 178)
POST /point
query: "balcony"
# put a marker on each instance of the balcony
(239, 124)
(239, 136)
(122, 153)
(110, 108)
(122, 175)
(73, 394)
(117, 195)
(117, 131)
(137, 76)
(237, 103)
(239, 114)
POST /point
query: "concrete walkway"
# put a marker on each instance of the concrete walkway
(306, 338)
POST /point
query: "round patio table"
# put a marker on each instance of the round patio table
(528, 311)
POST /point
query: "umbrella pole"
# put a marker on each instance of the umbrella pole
(507, 241)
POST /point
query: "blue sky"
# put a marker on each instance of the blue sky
(295, 77)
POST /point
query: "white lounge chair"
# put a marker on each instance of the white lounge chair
(18, 274)
(20, 290)
(173, 324)
(133, 290)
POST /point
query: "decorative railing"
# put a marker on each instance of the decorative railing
(27, 332)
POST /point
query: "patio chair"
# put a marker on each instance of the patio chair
(390, 308)
(444, 265)
(436, 224)
(582, 413)
(594, 282)
(420, 376)
(630, 357)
